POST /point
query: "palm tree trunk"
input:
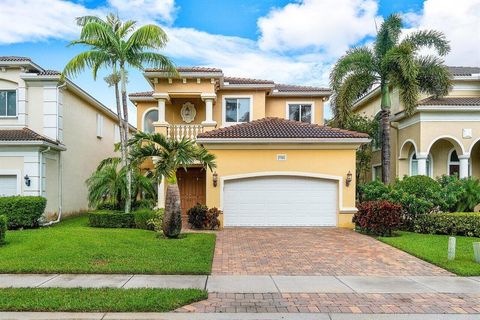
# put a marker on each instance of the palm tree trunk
(385, 113)
(123, 80)
(172, 217)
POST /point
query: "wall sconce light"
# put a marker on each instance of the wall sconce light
(27, 180)
(349, 178)
(215, 179)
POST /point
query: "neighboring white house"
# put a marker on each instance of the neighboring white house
(52, 135)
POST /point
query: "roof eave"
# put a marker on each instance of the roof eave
(248, 86)
(301, 94)
(38, 143)
(199, 74)
(141, 98)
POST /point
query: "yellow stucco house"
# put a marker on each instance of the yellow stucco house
(52, 135)
(441, 137)
(277, 164)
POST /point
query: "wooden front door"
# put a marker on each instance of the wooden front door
(192, 187)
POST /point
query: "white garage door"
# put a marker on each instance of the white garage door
(8, 185)
(280, 201)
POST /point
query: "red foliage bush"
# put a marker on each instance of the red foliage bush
(378, 217)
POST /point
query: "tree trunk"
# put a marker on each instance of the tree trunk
(385, 113)
(172, 217)
(123, 80)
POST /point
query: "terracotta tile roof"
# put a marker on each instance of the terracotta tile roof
(49, 73)
(463, 71)
(141, 94)
(450, 101)
(24, 134)
(15, 58)
(293, 88)
(236, 80)
(187, 69)
(278, 128)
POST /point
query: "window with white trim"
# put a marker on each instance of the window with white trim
(116, 133)
(8, 103)
(414, 165)
(237, 110)
(300, 112)
(148, 120)
(99, 126)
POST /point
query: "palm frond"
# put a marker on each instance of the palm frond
(388, 35)
(428, 39)
(147, 37)
(86, 59)
(433, 76)
(356, 60)
(154, 60)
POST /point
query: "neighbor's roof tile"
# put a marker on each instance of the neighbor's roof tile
(24, 134)
(450, 101)
(279, 128)
(463, 71)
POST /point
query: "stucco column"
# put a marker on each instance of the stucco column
(422, 166)
(209, 98)
(161, 125)
(464, 159)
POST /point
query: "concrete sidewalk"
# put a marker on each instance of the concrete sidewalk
(252, 284)
(230, 316)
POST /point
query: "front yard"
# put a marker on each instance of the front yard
(74, 247)
(433, 248)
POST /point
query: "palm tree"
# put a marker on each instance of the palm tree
(116, 45)
(168, 156)
(108, 184)
(392, 62)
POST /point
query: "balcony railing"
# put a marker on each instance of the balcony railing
(178, 131)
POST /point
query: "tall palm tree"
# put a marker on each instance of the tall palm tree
(168, 156)
(117, 45)
(392, 62)
(108, 184)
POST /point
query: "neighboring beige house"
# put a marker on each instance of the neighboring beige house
(277, 164)
(52, 136)
(441, 137)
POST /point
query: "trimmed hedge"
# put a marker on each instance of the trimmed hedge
(22, 212)
(145, 218)
(3, 228)
(111, 219)
(378, 217)
(459, 223)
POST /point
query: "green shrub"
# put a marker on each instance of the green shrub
(147, 219)
(3, 228)
(378, 217)
(459, 223)
(111, 219)
(144, 204)
(22, 212)
(200, 217)
(452, 192)
(372, 191)
(468, 199)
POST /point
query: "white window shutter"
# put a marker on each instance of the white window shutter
(116, 133)
(99, 126)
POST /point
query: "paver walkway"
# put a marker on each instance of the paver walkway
(311, 251)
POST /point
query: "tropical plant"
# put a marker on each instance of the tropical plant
(107, 186)
(168, 156)
(470, 198)
(392, 62)
(117, 45)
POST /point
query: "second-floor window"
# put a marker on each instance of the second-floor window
(237, 110)
(150, 117)
(8, 103)
(300, 112)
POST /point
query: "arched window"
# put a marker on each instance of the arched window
(453, 163)
(148, 120)
(414, 165)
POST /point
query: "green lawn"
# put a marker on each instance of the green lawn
(73, 247)
(97, 300)
(433, 248)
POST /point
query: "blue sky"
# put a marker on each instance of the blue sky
(287, 41)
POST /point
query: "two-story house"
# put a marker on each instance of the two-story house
(442, 135)
(52, 136)
(277, 164)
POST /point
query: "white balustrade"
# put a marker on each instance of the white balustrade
(189, 131)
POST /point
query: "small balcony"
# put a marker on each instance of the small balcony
(179, 131)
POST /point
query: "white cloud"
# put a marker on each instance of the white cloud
(146, 10)
(328, 25)
(36, 20)
(460, 21)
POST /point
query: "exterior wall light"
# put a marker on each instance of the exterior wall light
(215, 179)
(27, 180)
(349, 178)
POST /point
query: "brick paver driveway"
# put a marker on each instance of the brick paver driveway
(311, 251)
